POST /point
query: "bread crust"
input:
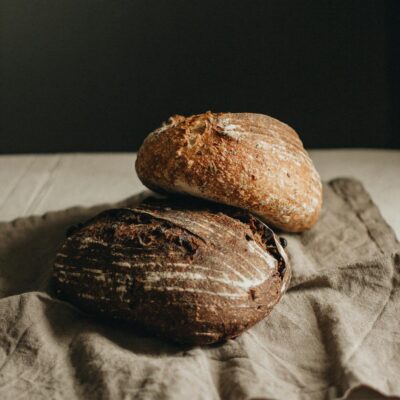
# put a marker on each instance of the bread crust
(195, 275)
(251, 161)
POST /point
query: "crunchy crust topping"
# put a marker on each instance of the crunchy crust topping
(196, 274)
(245, 160)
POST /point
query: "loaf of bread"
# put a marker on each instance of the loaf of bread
(199, 274)
(250, 161)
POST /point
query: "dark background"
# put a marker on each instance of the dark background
(79, 75)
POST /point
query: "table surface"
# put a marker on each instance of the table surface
(35, 184)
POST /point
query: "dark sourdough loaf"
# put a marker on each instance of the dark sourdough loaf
(246, 160)
(195, 275)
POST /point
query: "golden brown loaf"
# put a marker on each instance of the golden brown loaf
(246, 160)
(195, 275)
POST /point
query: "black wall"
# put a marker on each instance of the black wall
(80, 75)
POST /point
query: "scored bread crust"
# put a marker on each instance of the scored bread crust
(193, 275)
(251, 161)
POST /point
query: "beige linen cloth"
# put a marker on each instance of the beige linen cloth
(334, 335)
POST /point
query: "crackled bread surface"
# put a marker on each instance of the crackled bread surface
(245, 160)
(197, 274)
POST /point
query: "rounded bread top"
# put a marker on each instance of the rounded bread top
(195, 275)
(251, 161)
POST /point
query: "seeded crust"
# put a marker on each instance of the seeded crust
(246, 160)
(196, 275)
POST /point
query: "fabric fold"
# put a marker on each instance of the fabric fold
(334, 335)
